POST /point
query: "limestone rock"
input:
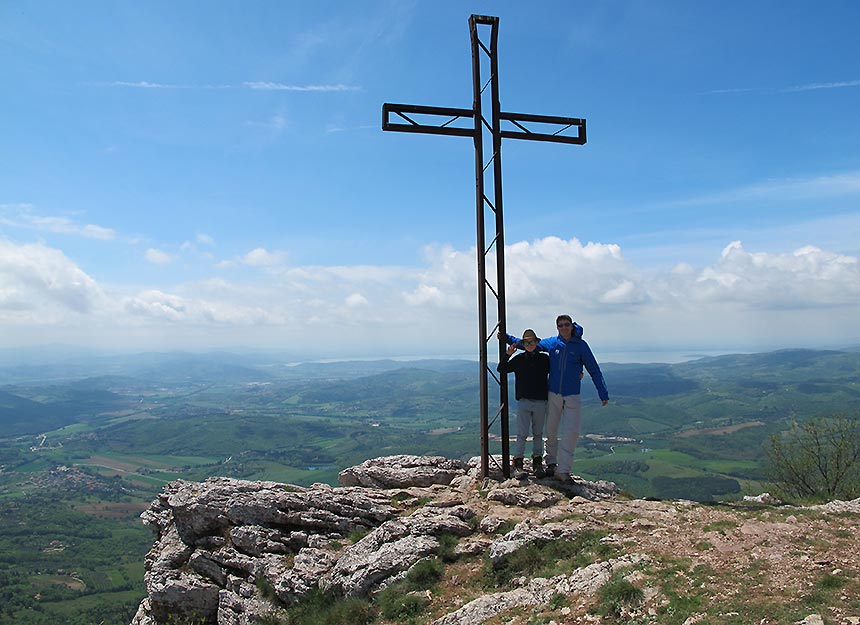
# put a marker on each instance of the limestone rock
(839, 506)
(532, 496)
(391, 550)
(584, 582)
(372, 563)
(579, 487)
(309, 566)
(600, 489)
(220, 503)
(182, 594)
(490, 524)
(765, 498)
(143, 616)
(402, 471)
(236, 610)
(527, 532)
(256, 540)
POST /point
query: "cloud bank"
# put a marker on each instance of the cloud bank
(742, 300)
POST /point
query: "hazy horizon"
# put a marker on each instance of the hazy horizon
(52, 354)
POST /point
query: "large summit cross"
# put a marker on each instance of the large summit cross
(487, 135)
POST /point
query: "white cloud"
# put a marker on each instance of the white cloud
(205, 239)
(261, 257)
(40, 281)
(157, 257)
(741, 300)
(252, 85)
(258, 257)
(823, 85)
(786, 189)
(807, 278)
(154, 303)
(355, 300)
(277, 86)
(813, 86)
(22, 216)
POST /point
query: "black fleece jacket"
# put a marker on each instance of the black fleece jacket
(530, 370)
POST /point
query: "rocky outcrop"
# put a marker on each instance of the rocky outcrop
(392, 549)
(226, 551)
(234, 552)
(586, 581)
(402, 472)
(219, 541)
(528, 532)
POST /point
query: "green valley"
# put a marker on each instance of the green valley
(87, 444)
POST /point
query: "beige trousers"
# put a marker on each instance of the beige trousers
(563, 420)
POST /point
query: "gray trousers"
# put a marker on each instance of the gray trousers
(531, 414)
(564, 418)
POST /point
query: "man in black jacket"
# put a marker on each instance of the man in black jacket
(530, 370)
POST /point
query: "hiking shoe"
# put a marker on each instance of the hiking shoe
(564, 478)
(537, 466)
(519, 471)
(550, 470)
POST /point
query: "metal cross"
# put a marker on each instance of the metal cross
(487, 134)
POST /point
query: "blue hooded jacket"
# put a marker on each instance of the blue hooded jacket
(566, 360)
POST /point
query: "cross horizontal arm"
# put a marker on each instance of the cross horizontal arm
(520, 119)
(410, 125)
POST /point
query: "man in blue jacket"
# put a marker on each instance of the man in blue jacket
(568, 354)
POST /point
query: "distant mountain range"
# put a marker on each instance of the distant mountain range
(767, 386)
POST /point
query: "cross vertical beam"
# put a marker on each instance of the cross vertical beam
(488, 194)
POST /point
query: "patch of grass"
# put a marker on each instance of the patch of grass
(184, 620)
(424, 574)
(267, 591)
(720, 526)
(558, 601)
(447, 547)
(399, 607)
(319, 608)
(548, 559)
(618, 594)
(405, 601)
(828, 582)
(683, 588)
(357, 534)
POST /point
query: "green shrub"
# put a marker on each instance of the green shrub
(447, 546)
(403, 602)
(557, 601)
(400, 606)
(424, 574)
(818, 460)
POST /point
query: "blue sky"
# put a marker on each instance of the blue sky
(214, 175)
